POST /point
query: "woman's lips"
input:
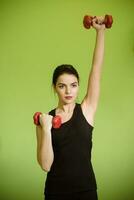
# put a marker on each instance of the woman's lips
(68, 97)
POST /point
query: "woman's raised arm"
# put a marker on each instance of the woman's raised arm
(90, 102)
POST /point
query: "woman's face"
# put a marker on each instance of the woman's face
(67, 87)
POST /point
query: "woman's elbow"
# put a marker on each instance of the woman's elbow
(45, 168)
(45, 165)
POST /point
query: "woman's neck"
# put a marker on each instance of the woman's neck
(66, 108)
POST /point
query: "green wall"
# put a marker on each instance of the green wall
(36, 36)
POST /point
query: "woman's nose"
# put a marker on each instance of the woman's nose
(67, 90)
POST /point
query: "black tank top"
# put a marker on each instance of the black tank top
(71, 170)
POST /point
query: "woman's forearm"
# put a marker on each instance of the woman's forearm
(45, 153)
(98, 52)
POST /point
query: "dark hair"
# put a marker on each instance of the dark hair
(64, 69)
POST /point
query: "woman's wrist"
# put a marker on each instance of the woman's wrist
(100, 31)
(46, 131)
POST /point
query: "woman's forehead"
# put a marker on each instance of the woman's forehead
(67, 78)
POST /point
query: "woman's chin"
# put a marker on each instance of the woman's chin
(69, 101)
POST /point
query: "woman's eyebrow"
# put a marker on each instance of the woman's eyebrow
(74, 82)
(60, 83)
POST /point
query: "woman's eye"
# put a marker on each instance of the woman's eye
(61, 86)
(74, 85)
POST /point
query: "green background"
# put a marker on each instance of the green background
(35, 37)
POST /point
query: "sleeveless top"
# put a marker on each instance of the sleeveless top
(71, 170)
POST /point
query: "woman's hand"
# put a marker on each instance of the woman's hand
(45, 121)
(97, 23)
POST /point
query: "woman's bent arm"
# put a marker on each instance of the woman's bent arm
(45, 155)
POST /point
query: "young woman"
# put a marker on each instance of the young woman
(65, 153)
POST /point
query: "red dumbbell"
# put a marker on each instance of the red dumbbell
(56, 121)
(87, 21)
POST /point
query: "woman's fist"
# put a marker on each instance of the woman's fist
(45, 121)
(98, 23)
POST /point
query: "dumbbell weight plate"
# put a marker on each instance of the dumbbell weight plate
(108, 21)
(87, 21)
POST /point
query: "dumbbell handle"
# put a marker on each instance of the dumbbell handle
(56, 121)
(87, 21)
